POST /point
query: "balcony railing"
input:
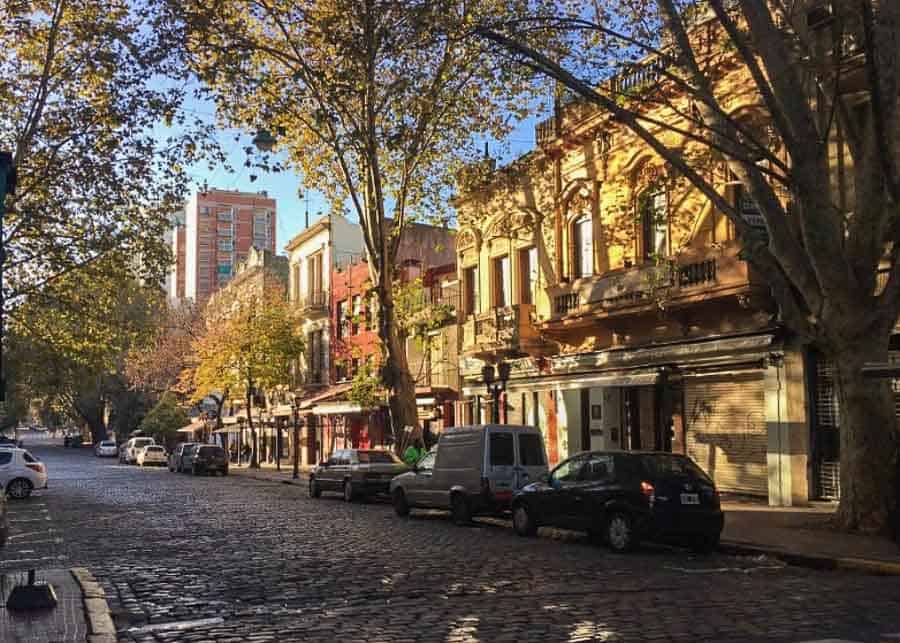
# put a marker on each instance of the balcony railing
(700, 272)
(314, 303)
(501, 331)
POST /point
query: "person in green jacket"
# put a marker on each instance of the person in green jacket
(414, 452)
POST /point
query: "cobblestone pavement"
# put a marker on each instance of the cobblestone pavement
(232, 559)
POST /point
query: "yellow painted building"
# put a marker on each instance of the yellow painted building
(617, 294)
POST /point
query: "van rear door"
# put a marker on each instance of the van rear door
(531, 461)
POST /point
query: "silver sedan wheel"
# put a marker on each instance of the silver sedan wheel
(19, 489)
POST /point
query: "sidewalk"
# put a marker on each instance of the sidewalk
(268, 473)
(801, 536)
(81, 614)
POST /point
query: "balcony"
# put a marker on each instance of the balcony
(502, 332)
(314, 305)
(693, 275)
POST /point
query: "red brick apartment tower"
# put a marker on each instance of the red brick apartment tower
(220, 227)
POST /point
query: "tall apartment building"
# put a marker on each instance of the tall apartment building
(220, 227)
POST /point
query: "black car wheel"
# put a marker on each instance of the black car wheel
(705, 544)
(523, 522)
(20, 488)
(194, 471)
(620, 532)
(459, 510)
(349, 494)
(314, 490)
(401, 506)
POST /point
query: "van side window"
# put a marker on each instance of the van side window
(502, 453)
(5, 457)
(530, 452)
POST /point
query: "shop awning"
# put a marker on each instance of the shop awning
(228, 429)
(338, 408)
(193, 427)
(328, 394)
(575, 381)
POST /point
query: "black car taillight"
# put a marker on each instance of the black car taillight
(649, 492)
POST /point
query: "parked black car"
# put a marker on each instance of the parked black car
(357, 473)
(209, 459)
(623, 498)
(4, 518)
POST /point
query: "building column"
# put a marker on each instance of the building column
(787, 429)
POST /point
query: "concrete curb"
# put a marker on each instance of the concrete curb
(813, 561)
(299, 482)
(99, 618)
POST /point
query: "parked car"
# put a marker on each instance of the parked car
(623, 498)
(4, 519)
(21, 473)
(209, 459)
(180, 458)
(10, 442)
(106, 449)
(356, 473)
(152, 454)
(473, 470)
(129, 454)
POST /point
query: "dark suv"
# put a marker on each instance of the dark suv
(357, 473)
(209, 459)
(623, 498)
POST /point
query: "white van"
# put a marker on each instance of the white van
(134, 446)
(473, 470)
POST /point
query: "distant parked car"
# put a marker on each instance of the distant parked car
(180, 458)
(21, 473)
(356, 473)
(7, 441)
(130, 453)
(4, 519)
(152, 454)
(473, 470)
(209, 459)
(106, 449)
(623, 498)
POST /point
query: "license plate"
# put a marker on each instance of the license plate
(690, 499)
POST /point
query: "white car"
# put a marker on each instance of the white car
(129, 453)
(21, 473)
(153, 454)
(106, 449)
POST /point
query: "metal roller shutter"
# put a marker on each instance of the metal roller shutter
(726, 430)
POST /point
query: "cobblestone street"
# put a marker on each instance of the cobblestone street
(232, 559)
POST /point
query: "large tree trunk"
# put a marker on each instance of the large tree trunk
(395, 373)
(868, 437)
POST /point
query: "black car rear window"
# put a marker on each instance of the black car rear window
(212, 451)
(530, 452)
(375, 457)
(661, 465)
(502, 453)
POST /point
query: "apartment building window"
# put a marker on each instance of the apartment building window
(227, 215)
(528, 276)
(357, 314)
(654, 225)
(501, 281)
(224, 267)
(204, 212)
(583, 246)
(340, 314)
(225, 245)
(224, 231)
(340, 371)
(470, 290)
(354, 366)
(316, 352)
(295, 282)
(314, 274)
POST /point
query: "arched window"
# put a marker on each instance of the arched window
(582, 231)
(654, 224)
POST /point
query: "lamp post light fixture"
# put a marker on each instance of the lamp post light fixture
(495, 386)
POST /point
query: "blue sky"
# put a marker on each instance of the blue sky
(284, 186)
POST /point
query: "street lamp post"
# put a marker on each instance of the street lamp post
(296, 454)
(495, 386)
(240, 446)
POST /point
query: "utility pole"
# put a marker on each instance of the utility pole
(7, 186)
